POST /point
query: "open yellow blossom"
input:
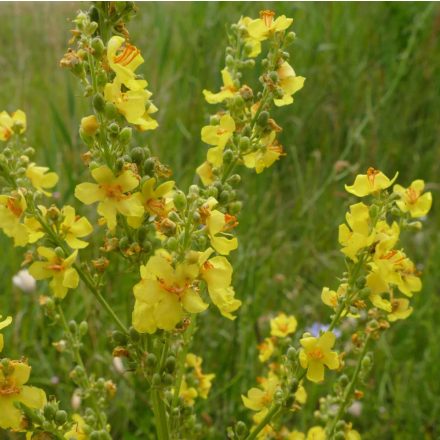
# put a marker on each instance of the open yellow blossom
(386, 236)
(373, 181)
(168, 291)
(228, 89)
(283, 325)
(13, 390)
(331, 298)
(9, 123)
(219, 136)
(316, 353)
(218, 224)
(64, 276)
(393, 268)
(260, 399)
(400, 309)
(77, 432)
(217, 273)
(316, 433)
(40, 178)
(156, 201)
(266, 349)
(188, 394)
(124, 58)
(12, 208)
(112, 193)
(412, 200)
(289, 83)
(134, 105)
(204, 381)
(265, 26)
(74, 226)
(357, 235)
(4, 324)
(205, 173)
(268, 153)
(253, 44)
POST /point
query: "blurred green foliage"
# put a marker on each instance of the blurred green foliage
(371, 99)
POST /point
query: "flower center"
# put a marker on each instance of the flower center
(267, 17)
(315, 354)
(14, 207)
(371, 174)
(113, 191)
(129, 53)
(412, 195)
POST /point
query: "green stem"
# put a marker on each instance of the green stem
(269, 416)
(78, 359)
(160, 415)
(349, 389)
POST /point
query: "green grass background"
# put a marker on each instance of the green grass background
(371, 99)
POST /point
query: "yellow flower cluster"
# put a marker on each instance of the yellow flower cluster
(245, 133)
(126, 92)
(194, 383)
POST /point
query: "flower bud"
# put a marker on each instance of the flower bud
(292, 354)
(98, 47)
(59, 252)
(249, 64)
(137, 155)
(263, 119)
(234, 180)
(214, 120)
(98, 103)
(170, 364)
(290, 37)
(179, 200)
(124, 243)
(151, 360)
(343, 380)
(60, 417)
(125, 135)
(149, 166)
(89, 125)
(83, 328)
(49, 411)
(229, 61)
(134, 335)
(168, 379)
(172, 244)
(110, 110)
(156, 379)
(273, 76)
(241, 429)
(228, 156)
(235, 207)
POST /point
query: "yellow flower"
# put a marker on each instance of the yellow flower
(64, 276)
(412, 200)
(74, 226)
(265, 26)
(168, 291)
(134, 105)
(331, 298)
(13, 390)
(316, 353)
(40, 178)
(260, 399)
(124, 58)
(219, 136)
(12, 208)
(188, 394)
(205, 173)
(316, 433)
(253, 44)
(77, 432)
(266, 349)
(369, 183)
(204, 380)
(4, 324)
(112, 193)
(156, 201)
(217, 225)
(400, 309)
(9, 123)
(227, 91)
(217, 273)
(289, 83)
(268, 153)
(283, 325)
(357, 234)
